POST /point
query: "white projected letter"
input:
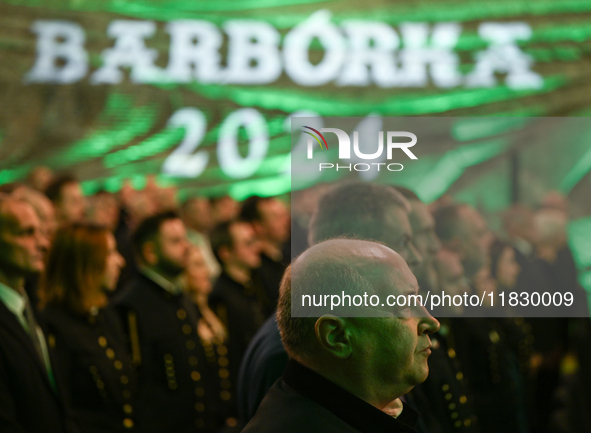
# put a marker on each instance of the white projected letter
(194, 51)
(504, 56)
(58, 40)
(252, 41)
(363, 58)
(297, 43)
(439, 55)
(129, 51)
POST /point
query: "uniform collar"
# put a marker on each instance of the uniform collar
(351, 409)
(172, 288)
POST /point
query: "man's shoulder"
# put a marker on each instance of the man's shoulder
(138, 289)
(224, 288)
(284, 410)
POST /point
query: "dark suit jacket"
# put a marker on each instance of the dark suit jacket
(262, 364)
(305, 402)
(27, 400)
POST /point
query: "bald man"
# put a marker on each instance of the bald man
(347, 374)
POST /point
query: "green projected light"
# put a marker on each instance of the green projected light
(401, 105)
(451, 166)
(424, 11)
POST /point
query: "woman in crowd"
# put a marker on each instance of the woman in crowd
(503, 267)
(198, 286)
(91, 365)
(212, 333)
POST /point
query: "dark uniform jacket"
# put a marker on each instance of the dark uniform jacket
(93, 367)
(271, 273)
(28, 402)
(445, 400)
(493, 370)
(243, 310)
(179, 391)
(305, 402)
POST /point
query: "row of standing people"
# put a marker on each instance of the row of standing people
(242, 300)
(154, 357)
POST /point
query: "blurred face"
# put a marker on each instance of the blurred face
(450, 273)
(398, 236)
(106, 211)
(396, 349)
(22, 244)
(72, 204)
(226, 209)
(426, 241)
(113, 264)
(172, 247)
(507, 268)
(199, 214)
(245, 251)
(474, 240)
(197, 273)
(275, 221)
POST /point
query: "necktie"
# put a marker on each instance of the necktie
(36, 336)
(32, 328)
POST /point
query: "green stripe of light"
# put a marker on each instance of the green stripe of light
(428, 11)
(265, 187)
(476, 128)
(152, 145)
(399, 105)
(453, 163)
(577, 172)
(118, 124)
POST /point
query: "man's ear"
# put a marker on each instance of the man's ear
(334, 336)
(149, 253)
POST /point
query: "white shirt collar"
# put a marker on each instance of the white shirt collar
(173, 289)
(13, 300)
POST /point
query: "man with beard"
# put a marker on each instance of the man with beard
(178, 390)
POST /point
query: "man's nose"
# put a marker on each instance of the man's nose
(42, 241)
(428, 324)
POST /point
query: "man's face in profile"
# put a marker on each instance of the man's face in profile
(398, 235)
(22, 245)
(426, 241)
(397, 348)
(72, 204)
(172, 246)
(245, 252)
(450, 273)
(475, 240)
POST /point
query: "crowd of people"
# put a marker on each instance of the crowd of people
(134, 312)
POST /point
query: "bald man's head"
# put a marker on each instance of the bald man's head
(387, 343)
